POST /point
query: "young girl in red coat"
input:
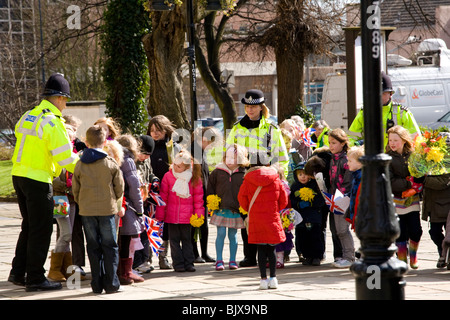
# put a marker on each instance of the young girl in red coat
(264, 223)
(182, 191)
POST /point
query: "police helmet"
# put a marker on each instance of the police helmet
(387, 83)
(57, 85)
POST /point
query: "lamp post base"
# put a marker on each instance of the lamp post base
(382, 281)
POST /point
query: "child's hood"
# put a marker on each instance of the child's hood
(261, 176)
(92, 155)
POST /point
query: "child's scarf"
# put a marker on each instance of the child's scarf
(181, 185)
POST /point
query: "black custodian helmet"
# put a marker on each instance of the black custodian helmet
(386, 82)
(57, 85)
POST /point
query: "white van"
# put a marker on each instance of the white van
(425, 90)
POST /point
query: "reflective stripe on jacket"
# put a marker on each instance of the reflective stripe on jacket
(43, 147)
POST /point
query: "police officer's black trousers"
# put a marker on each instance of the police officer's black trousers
(36, 207)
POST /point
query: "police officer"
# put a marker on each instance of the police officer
(392, 114)
(255, 132)
(42, 149)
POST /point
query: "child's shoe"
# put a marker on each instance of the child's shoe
(233, 265)
(280, 265)
(342, 263)
(273, 283)
(219, 265)
(264, 284)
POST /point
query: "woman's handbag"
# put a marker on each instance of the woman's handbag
(246, 221)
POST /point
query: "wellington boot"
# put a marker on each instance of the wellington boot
(402, 251)
(56, 262)
(126, 273)
(413, 246)
(123, 276)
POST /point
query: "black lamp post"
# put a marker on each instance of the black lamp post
(191, 57)
(378, 274)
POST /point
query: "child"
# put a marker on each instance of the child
(150, 183)
(182, 191)
(97, 184)
(262, 195)
(78, 245)
(307, 200)
(132, 222)
(340, 179)
(225, 182)
(160, 128)
(354, 165)
(112, 128)
(61, 257)
(400, 147)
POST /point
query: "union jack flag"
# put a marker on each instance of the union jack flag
(306, 135)
(330, 201)
(154, 232)
(154, 200)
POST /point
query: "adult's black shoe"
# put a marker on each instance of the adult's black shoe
(18, 281)
(247, 263)
(208, 258)
(43, 286)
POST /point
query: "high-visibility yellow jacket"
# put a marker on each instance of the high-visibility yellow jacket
(266, 138)
(399, 114)
(43, 147)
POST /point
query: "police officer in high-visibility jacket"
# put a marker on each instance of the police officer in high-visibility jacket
(392, 114)
(42, 149)
(255, 132)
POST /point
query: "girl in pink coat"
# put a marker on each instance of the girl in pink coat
(182, 191)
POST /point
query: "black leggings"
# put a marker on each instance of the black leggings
(266, 251)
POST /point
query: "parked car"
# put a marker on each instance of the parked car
(210, 122)
(443, 121)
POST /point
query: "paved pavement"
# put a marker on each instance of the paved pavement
(296, 282)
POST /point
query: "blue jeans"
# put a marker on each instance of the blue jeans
(103, 252)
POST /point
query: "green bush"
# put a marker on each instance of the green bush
(6, 186)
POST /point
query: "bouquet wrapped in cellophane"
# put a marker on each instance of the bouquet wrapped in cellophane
(290, 218)
(430, 155)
